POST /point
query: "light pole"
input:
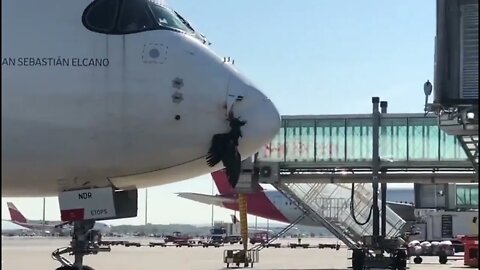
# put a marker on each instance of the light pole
(427, 89)
(146, 206)
(44, 222)
(268, 229)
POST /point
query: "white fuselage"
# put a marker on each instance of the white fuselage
(273, 205)
(50, 226)
(288, 209)
(135, 109)
(291, 212)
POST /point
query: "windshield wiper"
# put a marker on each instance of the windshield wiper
(184, 21)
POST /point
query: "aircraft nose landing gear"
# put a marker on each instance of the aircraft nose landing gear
(83, 243)
(97, 204)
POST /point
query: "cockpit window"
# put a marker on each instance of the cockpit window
(184, 21)
(100, 15)
(119, 17)
(134, 17)
(169, 18)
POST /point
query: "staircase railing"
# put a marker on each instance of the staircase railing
(335, 230)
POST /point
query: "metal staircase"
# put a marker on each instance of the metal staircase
(279, 234)
(311, 213)
(470, 145)
(330, 206)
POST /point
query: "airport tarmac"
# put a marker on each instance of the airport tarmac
(28, 253)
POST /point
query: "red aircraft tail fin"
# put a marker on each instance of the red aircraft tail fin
(223, 186)
(15, 214)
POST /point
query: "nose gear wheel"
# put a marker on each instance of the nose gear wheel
(85, 241)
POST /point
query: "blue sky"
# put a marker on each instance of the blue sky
(309, 57)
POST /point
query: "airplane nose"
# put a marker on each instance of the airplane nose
(263, 124)
(263, 118)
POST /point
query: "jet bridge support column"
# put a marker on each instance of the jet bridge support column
(371, 254)
(375, 165)
(247, 183)
(242, 207)
(383, 107)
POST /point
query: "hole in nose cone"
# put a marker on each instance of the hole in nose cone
(263, 122)
(263, 118)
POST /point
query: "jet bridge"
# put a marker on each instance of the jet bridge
(455, 87)
(327, 164)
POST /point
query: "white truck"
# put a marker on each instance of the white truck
(444, 225)
(445, 229)
(225, 232)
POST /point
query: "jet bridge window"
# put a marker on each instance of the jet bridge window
(100, 15)
(467, 196)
